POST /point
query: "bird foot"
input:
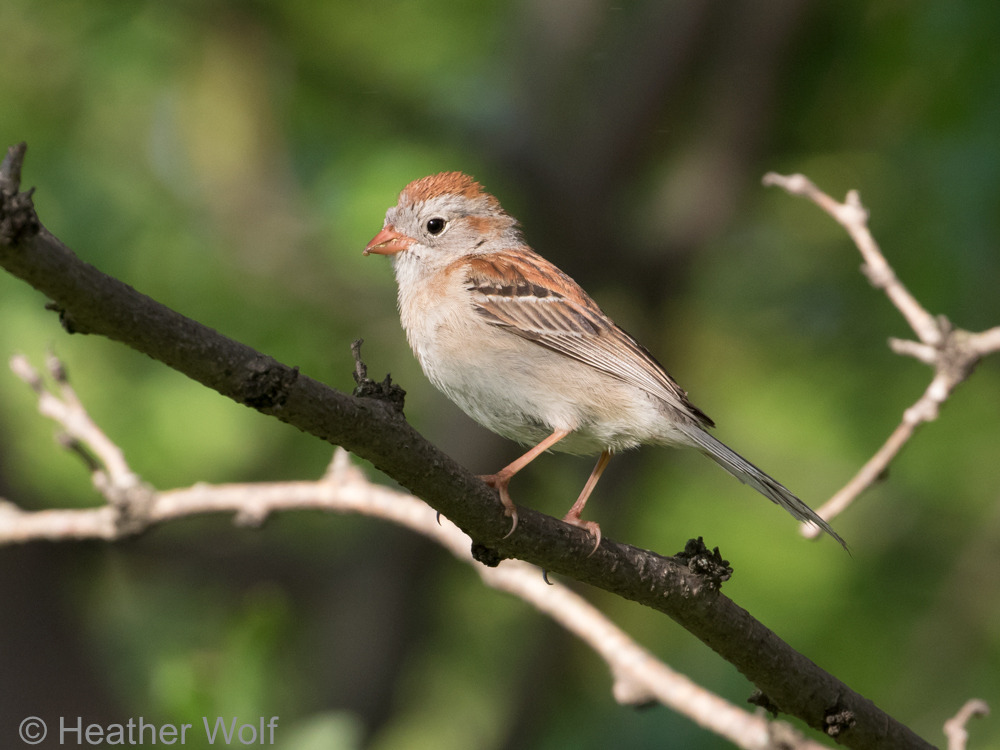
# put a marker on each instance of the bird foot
(591, 527)
(500, 482)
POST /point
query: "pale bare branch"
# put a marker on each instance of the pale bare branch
(853, 216)
(954, 728)
(987, 342)
(952, 352)
(110, 473)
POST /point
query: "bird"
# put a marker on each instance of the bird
(521, 348)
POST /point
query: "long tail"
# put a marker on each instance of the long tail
(747, 473)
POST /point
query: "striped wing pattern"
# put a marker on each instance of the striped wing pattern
(531, 298)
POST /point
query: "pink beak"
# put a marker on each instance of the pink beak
(388, 242)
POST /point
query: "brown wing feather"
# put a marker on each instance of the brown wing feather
(531, 298)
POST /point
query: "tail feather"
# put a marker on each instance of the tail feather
(747, 473)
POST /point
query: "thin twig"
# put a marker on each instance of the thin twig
(125, 492)
(853, 217)
(954, 728)
(952, 352)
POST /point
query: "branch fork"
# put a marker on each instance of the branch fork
(127, 495)
(952, 352)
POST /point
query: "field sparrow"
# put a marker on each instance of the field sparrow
(524, 351)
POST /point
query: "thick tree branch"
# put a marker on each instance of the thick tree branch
(89, 301)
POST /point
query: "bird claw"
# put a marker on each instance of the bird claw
(591, 527)
(500, 482)
(512, 514)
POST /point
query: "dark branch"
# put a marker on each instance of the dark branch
(376, 430)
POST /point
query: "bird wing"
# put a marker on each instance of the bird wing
(529, 297)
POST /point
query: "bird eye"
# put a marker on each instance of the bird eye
(436, 225)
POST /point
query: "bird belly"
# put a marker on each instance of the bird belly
(525, 392)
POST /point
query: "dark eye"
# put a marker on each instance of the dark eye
(436, 225)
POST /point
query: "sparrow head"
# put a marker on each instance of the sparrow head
(442, 217)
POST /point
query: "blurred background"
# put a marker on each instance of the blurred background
(231, 160)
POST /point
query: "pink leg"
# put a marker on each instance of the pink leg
(502, 478)
(573, 517)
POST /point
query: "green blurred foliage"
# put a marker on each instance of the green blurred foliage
(231, 159)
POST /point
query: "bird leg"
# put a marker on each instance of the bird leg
(502, 478)
(573, 517)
